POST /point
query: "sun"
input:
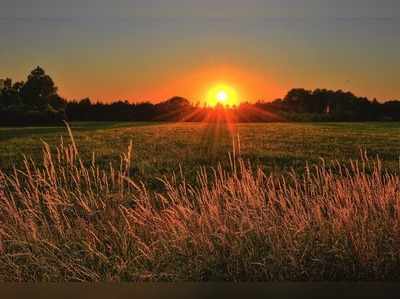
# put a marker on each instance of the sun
(222, 94)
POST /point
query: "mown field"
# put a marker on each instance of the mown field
(251, 203)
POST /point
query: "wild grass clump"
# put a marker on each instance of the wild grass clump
(74, 221)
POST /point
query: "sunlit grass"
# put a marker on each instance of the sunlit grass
(71, 220)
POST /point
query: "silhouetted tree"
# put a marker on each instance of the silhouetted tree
(32, 102)
(36, 102)
(38, 89)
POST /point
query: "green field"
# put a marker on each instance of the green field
(66, 217)
(159, 149)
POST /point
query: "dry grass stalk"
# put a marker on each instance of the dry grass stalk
(68, 221)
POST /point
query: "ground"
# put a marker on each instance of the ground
(160, 148)
(74, 222)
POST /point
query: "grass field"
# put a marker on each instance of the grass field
(159, 149)
(247, 216)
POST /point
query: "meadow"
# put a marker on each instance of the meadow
(200, 202)
(160, 149)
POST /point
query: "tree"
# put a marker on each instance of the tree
(173, 109)
(297, 99)
(7, 83)
(34, 102)
(38, 90)
(11, 95)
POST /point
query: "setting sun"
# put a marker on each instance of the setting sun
(222, 95)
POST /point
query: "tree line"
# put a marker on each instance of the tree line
(36, 102)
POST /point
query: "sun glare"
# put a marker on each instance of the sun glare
(222, 95)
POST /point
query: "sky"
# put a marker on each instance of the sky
(142, 50)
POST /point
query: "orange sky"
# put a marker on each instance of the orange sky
(152, 50)
(197, 84)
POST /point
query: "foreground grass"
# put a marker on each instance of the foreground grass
(69, 221)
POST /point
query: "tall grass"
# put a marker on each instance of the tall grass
(74, 221)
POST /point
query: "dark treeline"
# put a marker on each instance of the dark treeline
(32, 102)
(36, 102)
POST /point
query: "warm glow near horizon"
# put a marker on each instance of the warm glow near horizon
(152, 50)
(222, 94)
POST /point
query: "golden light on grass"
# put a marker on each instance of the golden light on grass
(222, 94)
(69, 221)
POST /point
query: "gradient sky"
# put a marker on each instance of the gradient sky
(154, 49)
